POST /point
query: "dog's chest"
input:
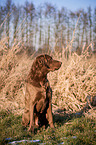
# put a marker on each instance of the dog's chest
(42, 97)
(42, 104)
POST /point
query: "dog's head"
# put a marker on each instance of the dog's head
(42, 65)
(45, 62)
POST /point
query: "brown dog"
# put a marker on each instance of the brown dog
(38, 94)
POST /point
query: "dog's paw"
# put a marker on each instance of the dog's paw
(31, 129)
(51, 125)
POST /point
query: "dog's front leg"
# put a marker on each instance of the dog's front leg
(49, 110)
(50, 117)
(31, 126)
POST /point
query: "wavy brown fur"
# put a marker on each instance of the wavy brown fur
(38, 92)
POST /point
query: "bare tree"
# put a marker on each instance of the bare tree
(16, 13)
(49, 14)
(31, 23)
(78, 36)
(8, 9)
(40, 15)
(2, 17)
(94, 30)
(84, 35)
(90, 24)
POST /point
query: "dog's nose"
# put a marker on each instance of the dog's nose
(60, 63)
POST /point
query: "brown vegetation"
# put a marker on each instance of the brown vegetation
(75, 80)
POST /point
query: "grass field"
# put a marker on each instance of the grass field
(72, 85)
(69, 129)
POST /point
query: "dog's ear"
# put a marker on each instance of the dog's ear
(40, 61)
(34, 66)
(47, 58)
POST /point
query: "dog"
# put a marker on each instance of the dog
(38, 95)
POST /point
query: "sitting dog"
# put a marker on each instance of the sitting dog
(38, 95)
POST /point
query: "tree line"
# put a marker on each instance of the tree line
(47, 27)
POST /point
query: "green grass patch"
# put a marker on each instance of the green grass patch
(68, 130)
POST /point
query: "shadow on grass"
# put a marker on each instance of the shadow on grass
(62, 116)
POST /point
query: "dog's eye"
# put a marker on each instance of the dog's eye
(49, 59)
(47, 65)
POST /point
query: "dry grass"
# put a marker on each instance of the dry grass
(14, 68)
(74, 82)
(71, 84)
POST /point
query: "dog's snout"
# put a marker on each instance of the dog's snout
(56, 65)
(59, 64)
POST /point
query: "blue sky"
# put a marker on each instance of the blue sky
(69, 4)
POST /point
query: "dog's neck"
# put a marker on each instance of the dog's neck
(37, 81)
